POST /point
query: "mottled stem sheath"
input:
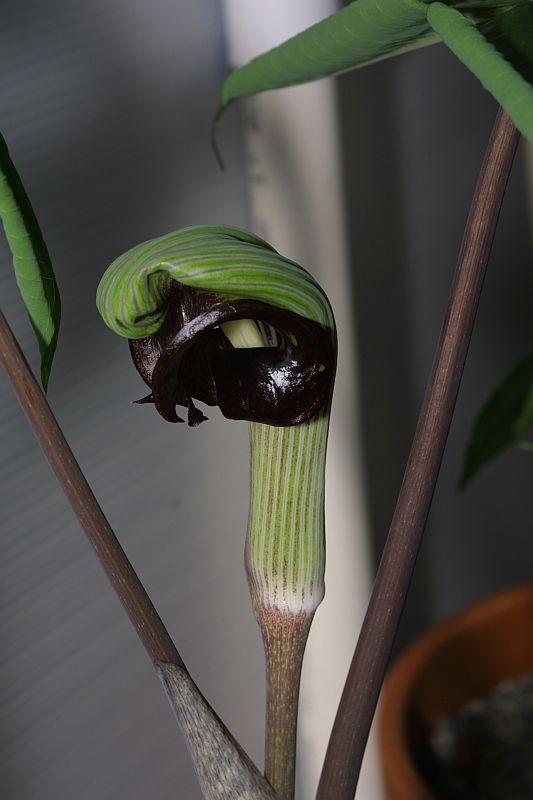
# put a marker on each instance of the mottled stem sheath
(358, 702)
(224, 770)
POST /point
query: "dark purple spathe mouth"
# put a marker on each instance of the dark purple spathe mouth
(190, 358)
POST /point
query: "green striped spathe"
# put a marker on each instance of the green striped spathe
(224, 260)
(285, 541)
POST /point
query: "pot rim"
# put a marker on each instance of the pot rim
(405, 673)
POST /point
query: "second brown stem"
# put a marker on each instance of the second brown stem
(361, 691)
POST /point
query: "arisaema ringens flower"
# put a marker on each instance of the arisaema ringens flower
(215, 315)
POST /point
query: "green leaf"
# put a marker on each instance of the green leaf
(362, 32)
(500, 424)
(33, 268)
(493, 38)
(499, 51)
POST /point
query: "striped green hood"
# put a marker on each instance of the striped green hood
(172, 297)
(227, 261)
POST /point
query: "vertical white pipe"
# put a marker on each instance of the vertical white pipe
(296, 199)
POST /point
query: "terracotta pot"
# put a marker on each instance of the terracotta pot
(465, 657)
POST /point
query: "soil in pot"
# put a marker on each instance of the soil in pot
(485, 750)
(481, 653)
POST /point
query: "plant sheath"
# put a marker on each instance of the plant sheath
(358, 702)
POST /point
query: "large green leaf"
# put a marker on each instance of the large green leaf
(494, 38)
(33, 268)
(362, 32)
(499, 51)
(503, 420)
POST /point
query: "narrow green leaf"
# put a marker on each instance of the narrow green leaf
(33, 268)
(510, 31)
(362, 32)
(500, 424)
(499, 51)
(493, 38)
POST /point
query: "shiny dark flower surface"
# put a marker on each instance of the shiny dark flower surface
(190, 358)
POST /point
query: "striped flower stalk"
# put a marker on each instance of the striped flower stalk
(216, 314)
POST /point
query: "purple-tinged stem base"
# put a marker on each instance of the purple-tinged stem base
(284, 637)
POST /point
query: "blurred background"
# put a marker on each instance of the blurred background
(367, 181)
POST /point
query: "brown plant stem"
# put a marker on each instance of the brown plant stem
(284, 637)
(349, 736)
(113, 559)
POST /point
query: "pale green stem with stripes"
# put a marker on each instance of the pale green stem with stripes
(285, 567)
(285, 562)
(285, 545)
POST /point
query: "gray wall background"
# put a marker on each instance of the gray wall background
(106, 107)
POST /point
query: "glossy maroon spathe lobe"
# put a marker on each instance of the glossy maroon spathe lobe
(190, 358)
